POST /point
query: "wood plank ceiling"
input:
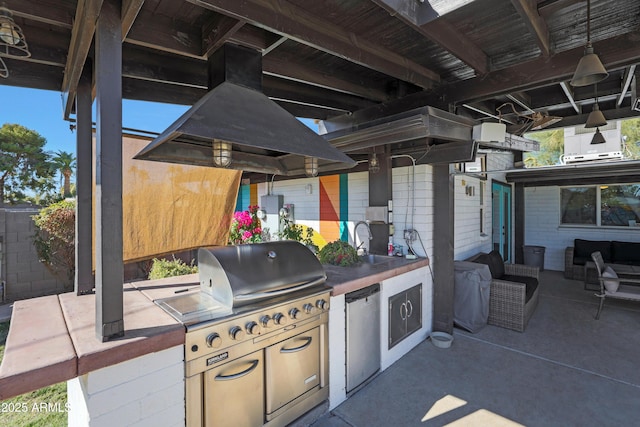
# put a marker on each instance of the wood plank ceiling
(365, 58)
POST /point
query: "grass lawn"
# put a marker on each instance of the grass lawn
(44, 407)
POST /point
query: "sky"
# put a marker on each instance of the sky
(42, 111)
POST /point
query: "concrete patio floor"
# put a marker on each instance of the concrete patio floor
(566, 369)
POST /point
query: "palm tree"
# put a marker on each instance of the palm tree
(65, 162)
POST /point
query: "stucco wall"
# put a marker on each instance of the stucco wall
(23, 275)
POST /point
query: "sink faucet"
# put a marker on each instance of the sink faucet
(359, 247)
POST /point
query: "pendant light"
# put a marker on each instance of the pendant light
(598, 138)
(596, 118)
(590, 69)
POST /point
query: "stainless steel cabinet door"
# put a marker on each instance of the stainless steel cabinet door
(414, 309)
(292, 368)
(234, 393)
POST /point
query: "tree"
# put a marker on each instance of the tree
(65, 162)
(551, 148)
(24, 165)
(631, 134)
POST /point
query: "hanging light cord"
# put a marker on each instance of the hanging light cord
(588, 22)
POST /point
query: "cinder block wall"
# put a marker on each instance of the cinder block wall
(23, 275)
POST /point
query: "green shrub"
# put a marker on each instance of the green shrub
(338, 253)
(54, 238)
(162, 268)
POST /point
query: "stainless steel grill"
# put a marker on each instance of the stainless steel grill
(256, 348)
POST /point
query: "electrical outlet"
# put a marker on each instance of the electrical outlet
(407, 235)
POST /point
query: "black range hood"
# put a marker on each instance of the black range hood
(264, 137)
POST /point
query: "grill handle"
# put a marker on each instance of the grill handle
(277, 292)
(299, 348)
(254, 365)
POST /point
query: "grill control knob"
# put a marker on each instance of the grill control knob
(253, 328)
(266, 321)
(214, 340)
(293, 313)
(321, 304)
(280, 319)
(309, 308)
(236, 333)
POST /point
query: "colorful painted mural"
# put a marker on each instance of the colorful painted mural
(334, 207)
(247, 196)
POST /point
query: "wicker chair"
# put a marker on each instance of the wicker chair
(508, 304)
(612, 286)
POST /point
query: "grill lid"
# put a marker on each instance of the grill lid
(246, 274)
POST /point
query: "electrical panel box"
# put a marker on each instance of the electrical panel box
(272, 203)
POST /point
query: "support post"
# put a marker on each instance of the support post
(519, 223)
(84, 186)
(443, 238)
(380, 192)
(109, 259)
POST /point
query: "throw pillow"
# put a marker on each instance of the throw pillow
(496, 264)
(610, 285)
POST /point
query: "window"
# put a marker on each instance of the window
(578, 205)
(619, 205)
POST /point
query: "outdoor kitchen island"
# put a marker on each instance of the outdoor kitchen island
(139, 379)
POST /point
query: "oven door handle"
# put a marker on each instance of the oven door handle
(269, 294)
(254, 365)
(300, 348)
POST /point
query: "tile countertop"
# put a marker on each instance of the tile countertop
(349, 279)
(52, 338)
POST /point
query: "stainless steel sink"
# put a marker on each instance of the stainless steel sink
(375, 259)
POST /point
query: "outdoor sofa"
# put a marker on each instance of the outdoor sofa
(513, 291)
(623, 257)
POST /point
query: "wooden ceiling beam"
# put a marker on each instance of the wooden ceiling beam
(33, 10)
(84, 27)
(129, 13)
(528, 11)
(217, 32)
(165, 35)
(439, 31)
(297, 71)
(617, 52)
(304, 27)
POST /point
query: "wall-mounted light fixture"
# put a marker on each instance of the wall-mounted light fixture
(590, 69)
(311, 166)
(374, 164)
(12, 40)
(221, 153)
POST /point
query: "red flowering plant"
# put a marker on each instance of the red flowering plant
(245, 227)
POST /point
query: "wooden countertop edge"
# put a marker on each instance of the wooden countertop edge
(354, 285)
(39, 351)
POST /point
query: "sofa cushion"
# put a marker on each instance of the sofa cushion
(582, 250)
(625, 253)
(531, 284)
(496, 264)
(610, 285)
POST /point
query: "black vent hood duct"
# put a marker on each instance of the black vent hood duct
(265, 137)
